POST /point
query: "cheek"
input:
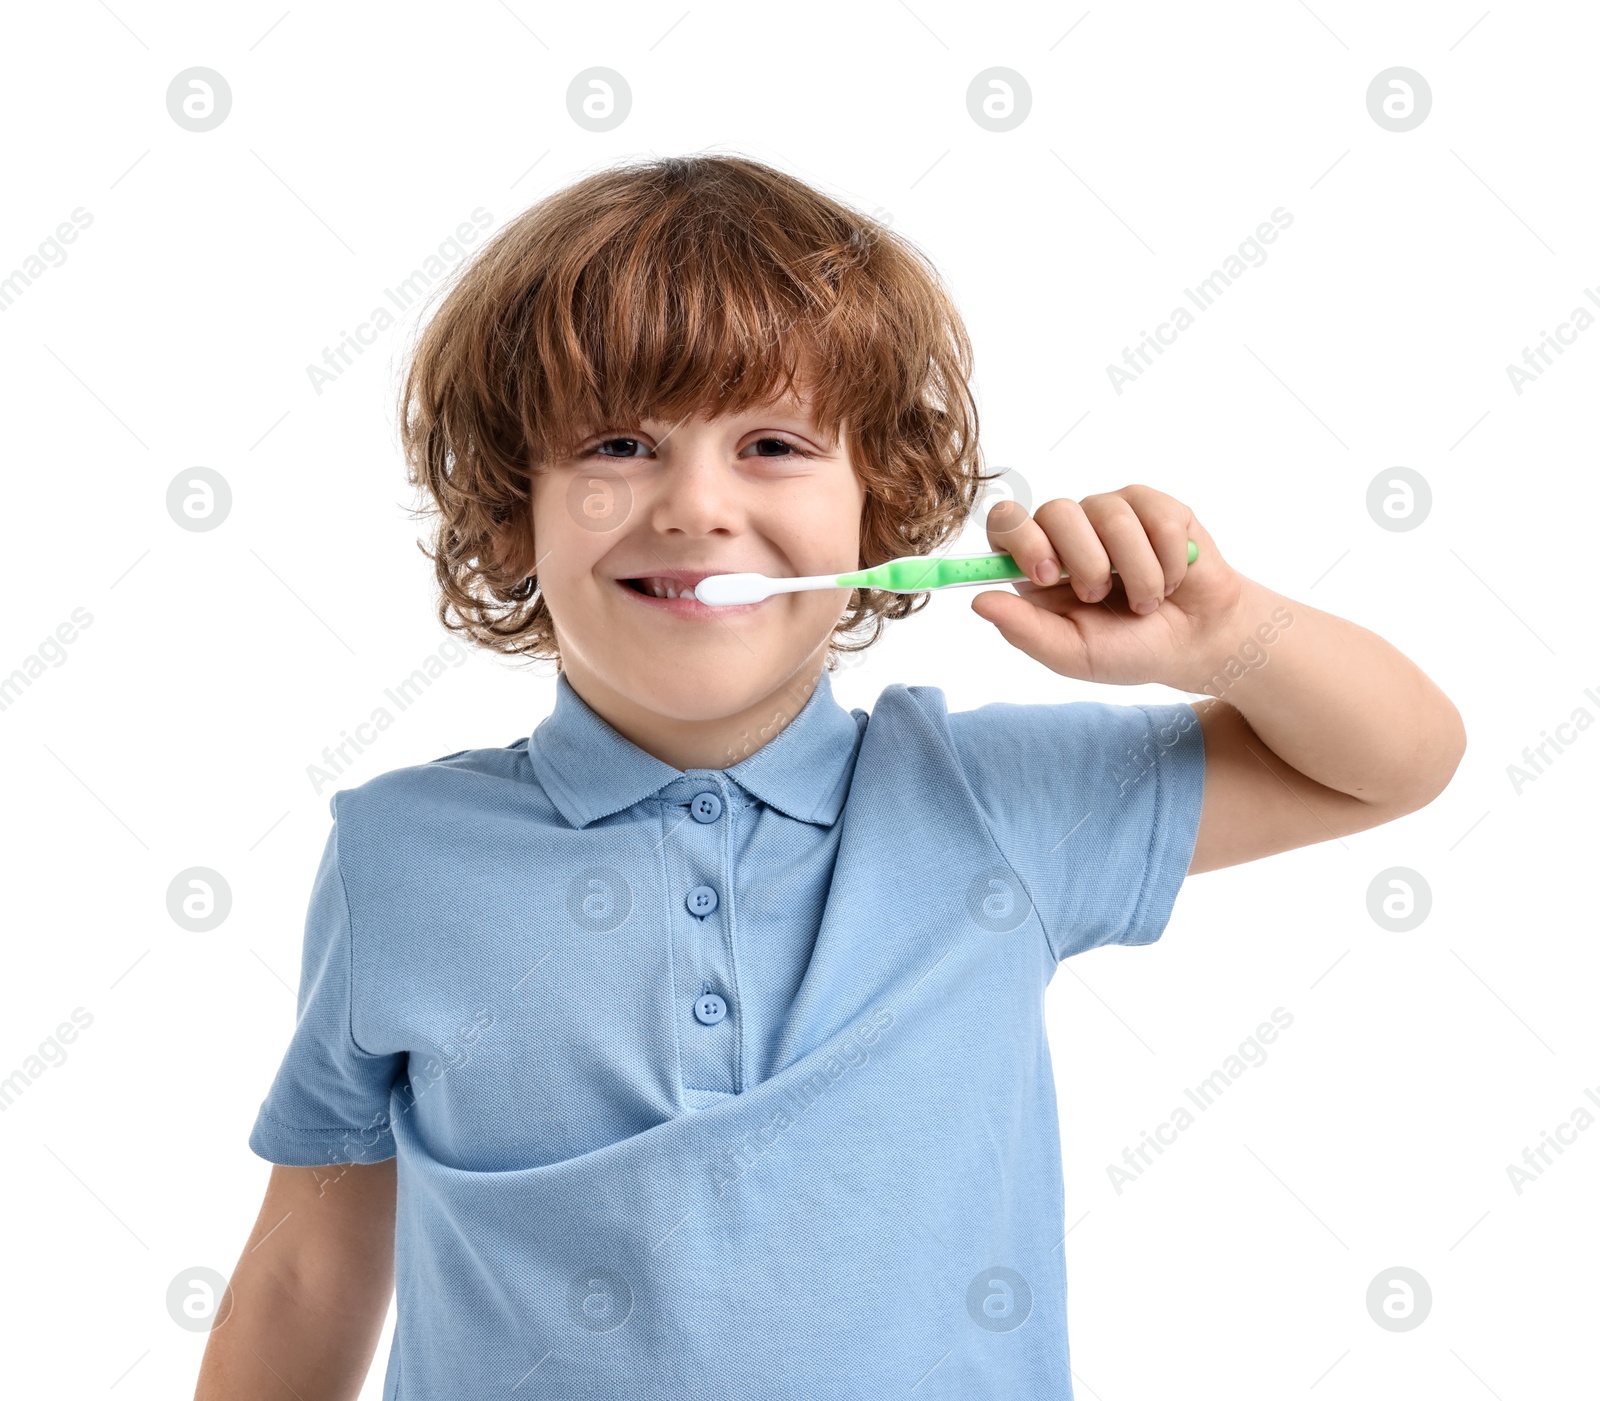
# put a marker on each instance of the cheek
(564, 552)
(823, 531)
(567, 589)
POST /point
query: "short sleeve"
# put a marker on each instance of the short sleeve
(329, 1102)
(1095, 806)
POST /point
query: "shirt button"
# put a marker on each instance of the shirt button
(706, 807)
(701, 900)
(710, 1009)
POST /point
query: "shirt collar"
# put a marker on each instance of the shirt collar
(589, 770)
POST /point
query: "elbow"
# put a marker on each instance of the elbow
(1440, 756)
(1453, 747)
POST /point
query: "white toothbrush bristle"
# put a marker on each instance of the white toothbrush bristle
(732, 588)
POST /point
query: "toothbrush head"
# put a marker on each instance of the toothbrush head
(733, 588)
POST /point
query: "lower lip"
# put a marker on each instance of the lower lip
(688, 607)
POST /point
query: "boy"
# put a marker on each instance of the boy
(693, 1045)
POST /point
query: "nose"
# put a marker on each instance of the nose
(698, 492)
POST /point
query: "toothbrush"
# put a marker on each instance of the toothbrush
(909, 574)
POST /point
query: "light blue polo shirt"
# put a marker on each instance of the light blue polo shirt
(728, 1083)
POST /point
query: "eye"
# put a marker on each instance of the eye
(783, 445)
(769, 447)
(605, 442)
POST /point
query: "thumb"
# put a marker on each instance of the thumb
(1049, 640)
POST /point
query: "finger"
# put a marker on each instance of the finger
(1078, 547)
(1169, 525)
(1132, 554)
(1013, 530)
(1051, 640)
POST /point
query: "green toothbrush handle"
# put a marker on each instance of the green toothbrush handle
(917, 572)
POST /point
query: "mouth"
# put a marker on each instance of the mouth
(677, 583)
(673, 594)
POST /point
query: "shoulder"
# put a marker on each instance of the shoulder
(1003, 734)
(898, 704)
(393, 808)
(1088, 749)
(899, 707)
(997, 731)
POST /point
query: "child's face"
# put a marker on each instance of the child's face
(760, 491)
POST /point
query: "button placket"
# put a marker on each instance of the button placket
(699, 854)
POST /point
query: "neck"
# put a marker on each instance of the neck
(701, 741)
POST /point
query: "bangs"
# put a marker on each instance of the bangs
(680, 305)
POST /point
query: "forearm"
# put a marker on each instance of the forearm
(1333, 700)
(284, 1335)
(311, 1289)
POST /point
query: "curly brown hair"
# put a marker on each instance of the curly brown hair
(659, 288)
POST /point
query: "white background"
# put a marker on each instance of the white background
(179, 728)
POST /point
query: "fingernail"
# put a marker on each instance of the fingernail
(1147, 605)
(1170, 588)
(1049, 572)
